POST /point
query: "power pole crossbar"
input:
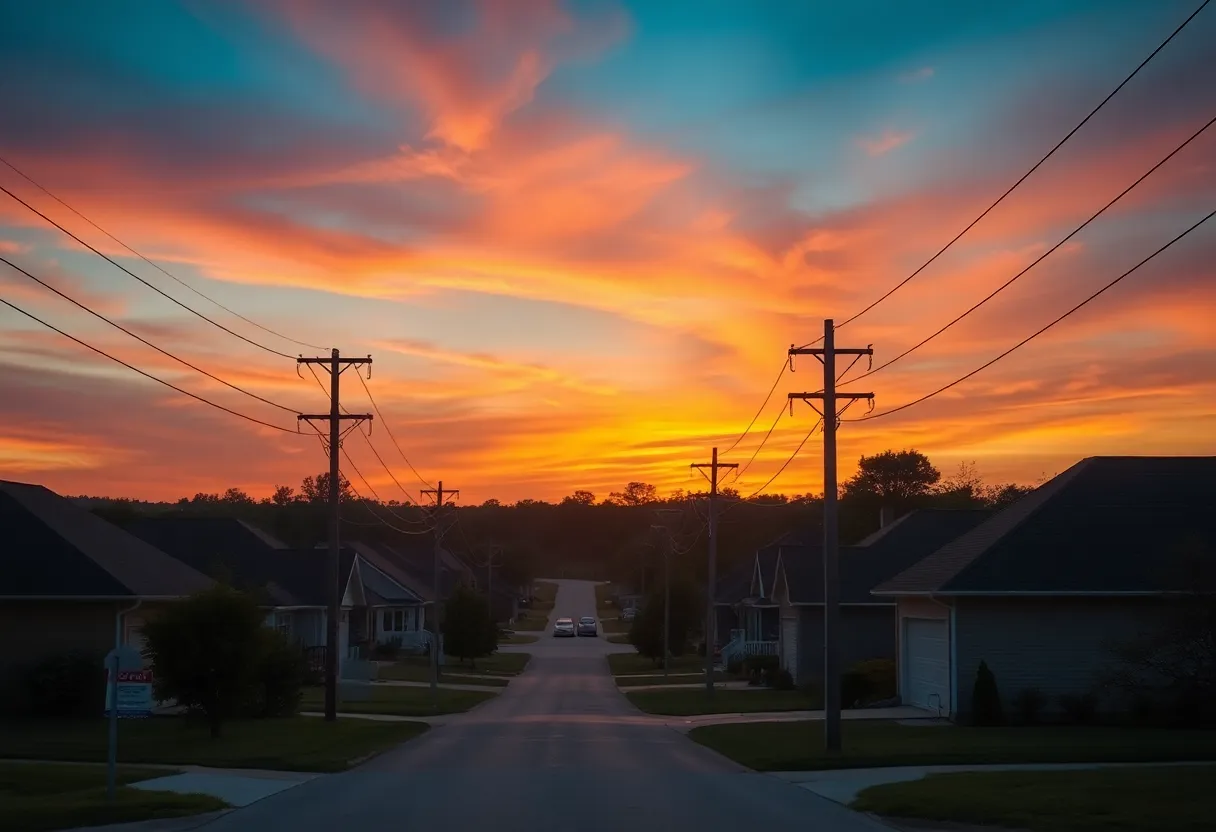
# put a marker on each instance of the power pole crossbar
(335, 365)
(831, 537)
(439, 494)
(711, 569)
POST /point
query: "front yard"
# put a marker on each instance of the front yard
(35, 797)
(401, 701)
(798, 746)
(625, 664)
(299, 743)
(406, 672)
(532, 621)
(695, 702)
(637, 680)
(418, 668)
(1163, 799)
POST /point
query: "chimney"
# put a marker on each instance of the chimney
(886, 516)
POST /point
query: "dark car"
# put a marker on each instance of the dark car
(587, 626)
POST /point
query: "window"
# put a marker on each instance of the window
(393, 621)
(282, 623)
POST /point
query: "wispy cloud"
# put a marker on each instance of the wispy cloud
(917, 75)
(885, 142)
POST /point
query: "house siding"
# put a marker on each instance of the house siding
(1060, 646)
(866, 633)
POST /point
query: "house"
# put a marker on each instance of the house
(867, 624)
(290, 583)
(1043, 590)
(70, 581)
(752, 621)
(396, 612)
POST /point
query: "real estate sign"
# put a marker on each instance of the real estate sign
(134, 693)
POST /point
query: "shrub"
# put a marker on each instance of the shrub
(985, 698)
(68, 684)
(387, 650)
(206, 652)
(813, 690)
(1079, 709)
(281, 673)
(869, 681)
(1029, 704)
(735, 667)
(783, 680)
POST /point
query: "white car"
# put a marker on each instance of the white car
(564, 628)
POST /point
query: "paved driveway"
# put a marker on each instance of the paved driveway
(561, 748)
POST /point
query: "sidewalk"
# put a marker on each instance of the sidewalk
(903, 713)
(393, 683)
(690, 686)
(843, 785)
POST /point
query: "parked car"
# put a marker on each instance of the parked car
(587, 626)
(563, 627)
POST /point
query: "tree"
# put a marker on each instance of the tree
(316, 489)
(468, 629)
(284, 495)
(963, 489)
(999, 496)
(635, 494)
(893, 478)
(985, 698)
(492, 502)
(646, 633)
(579, 498)
(236, 497)
(205, 653)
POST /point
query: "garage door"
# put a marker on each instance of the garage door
(927, 664)
(789, 645)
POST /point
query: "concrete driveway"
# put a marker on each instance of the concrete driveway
(561, 748)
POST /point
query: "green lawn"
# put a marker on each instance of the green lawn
(618, 638)
(657, 679)
(626, 664)
(403, 672)
(518, 638)
(36, 796)
(497, 664)
(544, 592)
(694, 701)
(615, 625)
(294, 744)
(401, 701)
(798, 746)
(532, 620)
(1166, 799)
(603, 594)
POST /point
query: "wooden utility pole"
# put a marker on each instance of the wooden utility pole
(831, 567)
(436, 584)
(336, 365)
(492, 562)
(711, 570)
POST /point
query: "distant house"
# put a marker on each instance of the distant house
(867, 624)
(1043, 590)
(748, 618)
(70, 581)
(290, 583)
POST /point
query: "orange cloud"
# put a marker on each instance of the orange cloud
(885, 142)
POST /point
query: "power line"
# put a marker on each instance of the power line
(1036, 334)
(151, 286)
(143, 340)
(1041, 257)
(389, 431)
(150, 262)
(784, 465)
(764, 404)
(1027, 174)
(383, 505)
(146, 375)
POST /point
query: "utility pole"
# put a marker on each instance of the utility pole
(336, 365)
(668, 545)
(436, 585)
(831, 538)
(711, 570)
(490, 565)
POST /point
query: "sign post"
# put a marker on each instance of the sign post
(128, 694)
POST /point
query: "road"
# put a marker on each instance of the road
(561, 748)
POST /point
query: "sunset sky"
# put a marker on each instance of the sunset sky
(577, 238)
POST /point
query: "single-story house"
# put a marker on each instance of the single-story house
(1044, 590)
(70, 581)
(750, 623)
(867, 624)
(290, 583)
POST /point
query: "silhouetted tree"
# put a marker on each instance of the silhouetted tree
(635, 494)
(579, 498)
(316, 489)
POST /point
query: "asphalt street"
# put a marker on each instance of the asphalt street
(561, 748)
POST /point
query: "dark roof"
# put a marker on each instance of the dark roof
(736, 583)
(413, 565)
(225, 549)
(394, 569)
(876, 559)
(50, 547)
(1108, 525)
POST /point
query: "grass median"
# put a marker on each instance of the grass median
(695, 702)
(299, 743)
(627, 664)
(798, 746)
(35, 797)
(1163, 799)
(401, 672)
(660, 679)
(618, 638)
(401, 701)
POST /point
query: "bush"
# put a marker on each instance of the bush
(869, 681)
(735, 667)
(1029, 704)
(1079, 709)
(783, 680)
(813, 690)
(468, 631)
(985, 698)
(68, 684)
(387, 650)
(282, 670)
